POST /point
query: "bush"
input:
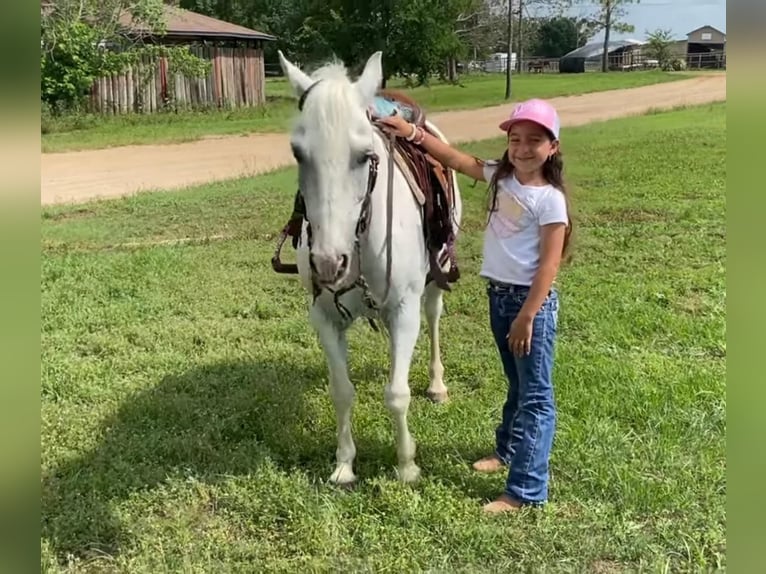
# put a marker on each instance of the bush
(47, 121)
(676, 65)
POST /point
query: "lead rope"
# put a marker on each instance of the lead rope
(389, 216)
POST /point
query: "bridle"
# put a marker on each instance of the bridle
(362, 225)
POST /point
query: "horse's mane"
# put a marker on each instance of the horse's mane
(332, 71)
(330, 100)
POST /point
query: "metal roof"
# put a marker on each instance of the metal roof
(595, 49)
(185, 23)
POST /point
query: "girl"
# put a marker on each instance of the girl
(526, 236)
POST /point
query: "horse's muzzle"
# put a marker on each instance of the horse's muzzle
(329, 270)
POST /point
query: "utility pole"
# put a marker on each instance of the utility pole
(520, 41)
(510, 51)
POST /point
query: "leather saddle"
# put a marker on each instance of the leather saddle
(432, 178)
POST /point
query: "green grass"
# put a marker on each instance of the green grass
(90, 132)
(186, 425)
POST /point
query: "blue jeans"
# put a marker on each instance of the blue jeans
(525, 434)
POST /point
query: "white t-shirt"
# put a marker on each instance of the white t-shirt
(512, 237)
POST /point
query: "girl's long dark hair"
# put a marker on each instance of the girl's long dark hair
(553, 172)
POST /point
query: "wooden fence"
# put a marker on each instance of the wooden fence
(235, 79)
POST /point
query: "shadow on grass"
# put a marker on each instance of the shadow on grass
(210, 422)
(221, 419)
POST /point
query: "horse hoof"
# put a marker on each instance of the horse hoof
(343, 476)
(409, 474)
(438, 397)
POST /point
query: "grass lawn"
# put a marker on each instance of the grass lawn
(186, 424)
(89, 132)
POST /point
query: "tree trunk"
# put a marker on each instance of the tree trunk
(608, 25)
(452, 69)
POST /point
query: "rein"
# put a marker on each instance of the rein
(389, 215)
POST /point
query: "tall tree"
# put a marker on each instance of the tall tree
(283, 19)
(416, 36)
(558, 36)
(608, 18)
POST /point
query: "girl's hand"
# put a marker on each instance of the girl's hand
(395, 125)
(520, 336)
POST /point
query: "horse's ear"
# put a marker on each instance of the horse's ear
(299, 80)
(371, 77)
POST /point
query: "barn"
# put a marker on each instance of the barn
(588, 57)
(236, 77)
(706, 48)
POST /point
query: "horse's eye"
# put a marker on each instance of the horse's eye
(363, 158)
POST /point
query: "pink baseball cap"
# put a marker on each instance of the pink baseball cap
(535, 110)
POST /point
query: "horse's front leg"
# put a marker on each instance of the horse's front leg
(403, 326)
(333, 341)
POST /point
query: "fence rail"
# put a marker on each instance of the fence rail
(635, 60)
(624, 61)
(235, 79)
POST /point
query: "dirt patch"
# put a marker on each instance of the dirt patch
(85, 175)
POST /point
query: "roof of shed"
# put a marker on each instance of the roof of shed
(706, 26)
(183, 23)
(180, 22)
(595, 49)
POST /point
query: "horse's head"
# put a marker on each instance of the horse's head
(332, 141)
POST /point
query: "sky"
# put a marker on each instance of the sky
(679, 16)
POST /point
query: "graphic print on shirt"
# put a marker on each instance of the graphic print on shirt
(511, 216)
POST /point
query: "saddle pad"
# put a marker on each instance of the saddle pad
(400, 161)
(382, 107)
(416, 191)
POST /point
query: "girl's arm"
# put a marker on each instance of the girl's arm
(448, 155)
(551, 245)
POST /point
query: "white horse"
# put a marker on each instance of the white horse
(345, 241)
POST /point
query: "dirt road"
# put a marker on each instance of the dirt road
(84, 175)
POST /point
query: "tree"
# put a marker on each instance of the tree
(586, 29)
(659, 46)
(607, 18)
(288, 20)
(415, 36)
(558, 36)
(468, 25)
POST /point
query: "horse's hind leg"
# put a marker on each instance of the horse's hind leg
(404, 327)
(333, 341)
(437, 391)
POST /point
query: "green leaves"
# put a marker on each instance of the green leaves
(557, 36)
(86, 39)
(660, 47)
